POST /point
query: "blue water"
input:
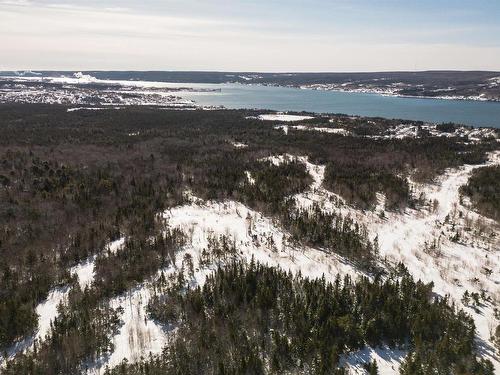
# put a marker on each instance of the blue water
(236, 96)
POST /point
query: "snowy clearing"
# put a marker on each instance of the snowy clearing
(283, 117)
(254, 236)
(47, 311)
(286, 128)
(116, 245)
(139, 336)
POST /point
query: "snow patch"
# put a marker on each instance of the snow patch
(249, 177)
(89, 109)
(282, 127)
(85, 272)
(388, 360)
(239, 145)
(283, 117)
(84, 78)
(47, 310)
(116, 245)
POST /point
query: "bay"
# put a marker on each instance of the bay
(237, 96)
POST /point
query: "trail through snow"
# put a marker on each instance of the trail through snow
(453, 267)
(403, 237)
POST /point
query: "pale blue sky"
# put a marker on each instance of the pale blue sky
(272, 35)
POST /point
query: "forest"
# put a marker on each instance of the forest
(254, 319)
(483, 189)
(71, 182)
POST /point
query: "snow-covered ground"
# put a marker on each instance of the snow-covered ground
(470, 264)
(116, 245)
(47, 312)
(84, 271)
(316, 194)
(388, 360)
(283, 117)
(138, 335)
(254, 236)
(89, 109)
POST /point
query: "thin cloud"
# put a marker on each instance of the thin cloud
(77, 35)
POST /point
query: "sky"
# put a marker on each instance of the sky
(250, 35)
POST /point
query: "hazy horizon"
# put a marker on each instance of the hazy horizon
(243, 71)
(250, 36)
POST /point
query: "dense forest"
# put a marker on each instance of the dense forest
(333, 233)
(483, 189)
(71, 182)
(253, 319)
(359, 184)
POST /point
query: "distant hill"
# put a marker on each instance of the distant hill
(479, 85)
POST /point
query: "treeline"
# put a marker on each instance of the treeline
(254, 319)
(271, 184)
(483, 189)
(271, 191)
(138, 259)
(359, 185)
(333, 233)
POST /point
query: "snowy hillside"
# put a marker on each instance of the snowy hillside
(453, 267)
(439, 237)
